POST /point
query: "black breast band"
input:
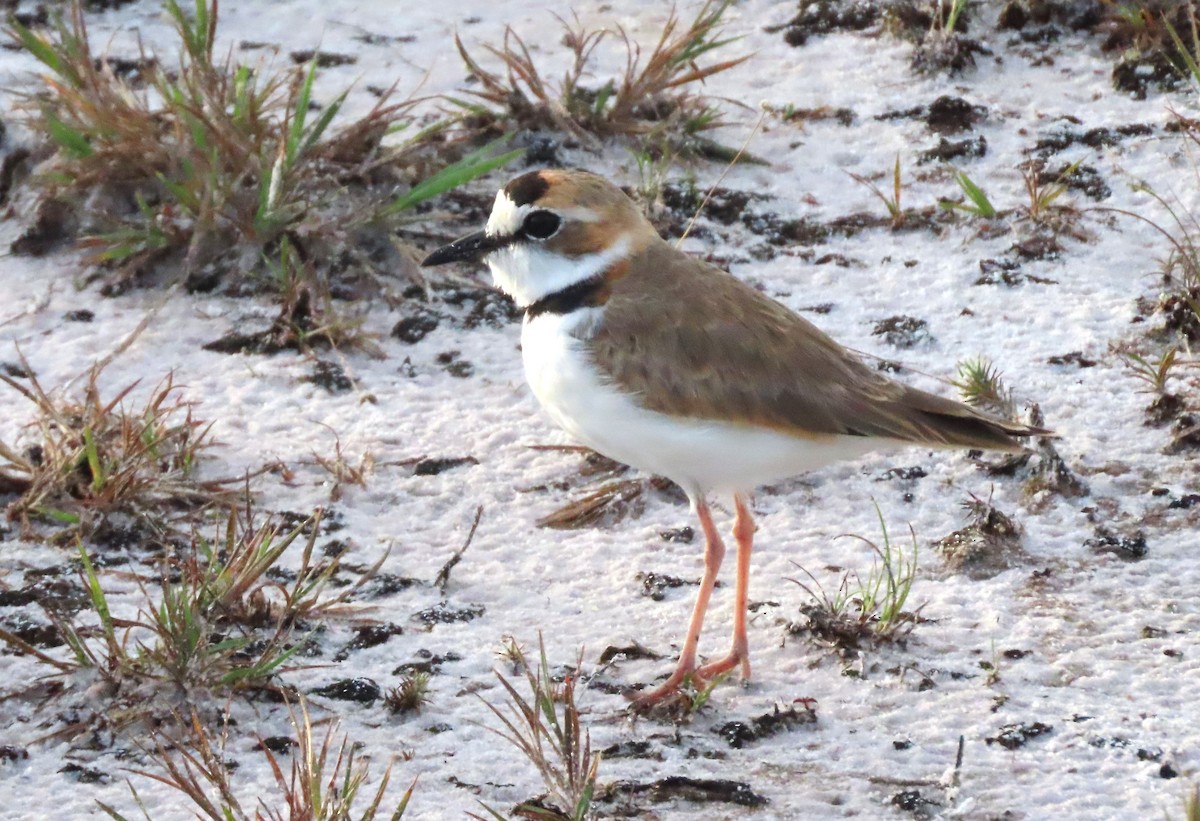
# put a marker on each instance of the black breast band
(587, 293)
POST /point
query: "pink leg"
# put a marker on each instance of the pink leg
(714, 553)
(739, 653)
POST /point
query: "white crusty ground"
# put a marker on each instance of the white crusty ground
(1088, 672)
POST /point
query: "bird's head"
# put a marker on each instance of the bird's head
(550, 230)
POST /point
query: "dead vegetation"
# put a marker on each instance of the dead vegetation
(90, 457)
(202, 170)
(325, 781)
(652, 100)
(545, 727)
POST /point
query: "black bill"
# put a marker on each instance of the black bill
(471, 247)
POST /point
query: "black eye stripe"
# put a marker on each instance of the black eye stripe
(541, 224)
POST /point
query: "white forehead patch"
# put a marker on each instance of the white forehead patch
(506, 217)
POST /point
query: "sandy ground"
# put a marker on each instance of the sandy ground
(1096, 650)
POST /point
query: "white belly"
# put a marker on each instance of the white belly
(699, 455)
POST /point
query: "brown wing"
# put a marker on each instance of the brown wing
(691, 340)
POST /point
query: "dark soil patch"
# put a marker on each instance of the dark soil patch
(1129, 546)
(443, 613)
(479, 305)
(945, 115)
(817, 17)
(51, 227)
(359, 690)
(1185, 435)
(1015, 736)
(683, 788)
(438, 465)
(946, 150)
(909, 474)
(426, 662)
(678, 535)
(631, 652)
(656, 585)
(329, 375)
(951, 115)
(324, 59)
(451, 364)
(1084, 178)
(843, 116)
(725, 205)
(1105, 137)
(38, 634)
(1139, 74)
(902, 331)
(419, 322)
(951, 53)
(368, 635)
(1040, 246)
(297, 328)
(388, 584)
(1075, 358)
(988, 545)
(740, 733)
(632, 749)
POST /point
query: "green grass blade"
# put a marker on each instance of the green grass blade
(93, 459)
(40, 49)
(68, 139)
(300, 113)
(474, 165)
(976, 195)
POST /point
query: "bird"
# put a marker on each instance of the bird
(669, 364)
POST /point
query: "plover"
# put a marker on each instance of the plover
(669, 364)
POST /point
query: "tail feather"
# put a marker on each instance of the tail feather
(946, 422)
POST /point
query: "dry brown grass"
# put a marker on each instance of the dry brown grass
(323, 783)
(92, 456)
(653, 98)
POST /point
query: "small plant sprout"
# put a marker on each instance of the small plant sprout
(1042, 196)
(1154, 371)
(410, 695)
(893, 201)
(325, 783)
(862, 610)
(977, 201)
(652, 98)
(948, 13)
(980, 383)
(545, 727)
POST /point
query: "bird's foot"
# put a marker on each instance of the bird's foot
(737, 657)
(668, 689)
(688, 682)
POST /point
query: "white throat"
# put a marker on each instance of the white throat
(528, 272)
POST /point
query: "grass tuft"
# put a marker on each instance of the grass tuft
(410, 695)
(864, 611)
(981, 384)
(93, 456)
(215, 623)
(545, 727)
(652, 99)
(208, 166)
(325, 782)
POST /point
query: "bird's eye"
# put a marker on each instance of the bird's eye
(541, 225)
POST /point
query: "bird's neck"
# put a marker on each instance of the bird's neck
(531, 274)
